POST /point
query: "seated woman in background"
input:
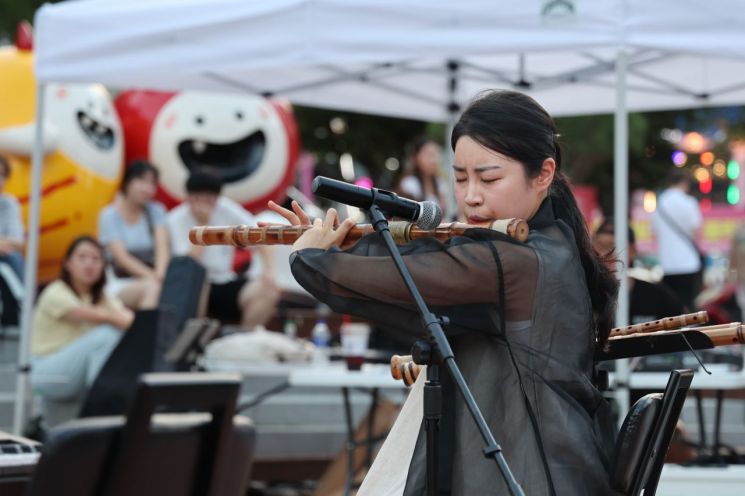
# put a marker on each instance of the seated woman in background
(132, 229)
(421, 180)
(76, 325)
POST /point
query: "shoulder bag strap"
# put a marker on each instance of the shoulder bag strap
(679, 230)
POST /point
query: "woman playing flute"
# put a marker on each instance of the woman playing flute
(526, 318)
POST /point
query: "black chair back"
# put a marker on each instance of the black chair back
(645, 437)
(182, 289)
(151, 453)
(144, 346)
(141, 350)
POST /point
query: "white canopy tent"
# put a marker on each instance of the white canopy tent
(399, 58)
(420, 59)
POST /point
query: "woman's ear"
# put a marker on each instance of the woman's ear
(546, 174)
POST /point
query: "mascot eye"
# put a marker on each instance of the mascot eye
(239, 115)
(199, 120)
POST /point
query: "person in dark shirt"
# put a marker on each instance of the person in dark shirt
(647, 301)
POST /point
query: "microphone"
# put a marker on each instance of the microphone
(427, 215)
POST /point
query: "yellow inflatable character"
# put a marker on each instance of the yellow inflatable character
(83, 152)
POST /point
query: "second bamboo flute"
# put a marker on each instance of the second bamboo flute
(720, 335)
(666, 324)
(402, 232)
(403, 367)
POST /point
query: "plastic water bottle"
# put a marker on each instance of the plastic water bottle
(290, 328)
(321, 337)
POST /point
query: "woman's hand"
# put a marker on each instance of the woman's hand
(296, 216)
(322, 234)
(121, 318)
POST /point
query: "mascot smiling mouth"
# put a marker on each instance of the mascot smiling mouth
(100, 135)
(234, 161)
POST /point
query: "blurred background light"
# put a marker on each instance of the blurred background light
(733, 170)
(679, 158)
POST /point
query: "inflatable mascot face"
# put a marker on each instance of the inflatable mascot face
(250, 141)
(83, 154)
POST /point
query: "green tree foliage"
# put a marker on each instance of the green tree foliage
(588, 151)
(14, 11)
(587, 143)
(370, 140)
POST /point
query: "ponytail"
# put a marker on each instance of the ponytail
(601, 283)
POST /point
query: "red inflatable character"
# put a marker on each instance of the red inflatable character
(252, 142)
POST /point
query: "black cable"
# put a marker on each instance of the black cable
(682, 335)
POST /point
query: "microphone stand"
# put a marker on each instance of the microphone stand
(440, 353)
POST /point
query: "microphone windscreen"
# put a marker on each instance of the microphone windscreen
(430, 215)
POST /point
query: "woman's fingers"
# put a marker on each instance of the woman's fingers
(291, 216)
(304, 219)
(330, 220)
(323, 234)
(343, 229)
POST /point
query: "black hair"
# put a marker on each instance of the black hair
(97, 288)
(608, 226)
(4, 167)
(515, 125)
(136, 169)
(204, 181)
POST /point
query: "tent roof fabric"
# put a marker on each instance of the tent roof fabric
(418, 59)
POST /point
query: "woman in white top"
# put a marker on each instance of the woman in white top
(421, 182)
(132, 229)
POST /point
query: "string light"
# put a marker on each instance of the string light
(705, 186)
(733, 170)
(702, 175)
(733, 194)
(679, 158)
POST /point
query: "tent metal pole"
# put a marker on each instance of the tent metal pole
(453, 111)
(621, 221)
(32, 256)
(448, 158)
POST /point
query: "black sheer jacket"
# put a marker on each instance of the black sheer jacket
(532, 376)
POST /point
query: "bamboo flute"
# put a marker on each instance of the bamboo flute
(403, 367)
(402, 232)
(668, 323)
(720, 335)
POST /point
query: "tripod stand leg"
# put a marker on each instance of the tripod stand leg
(432, 417)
